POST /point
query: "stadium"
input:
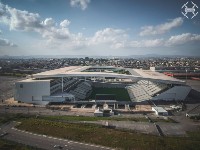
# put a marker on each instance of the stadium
(93, 84)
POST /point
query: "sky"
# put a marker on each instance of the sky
(99, 27)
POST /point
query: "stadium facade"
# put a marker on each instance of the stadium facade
(76, 83)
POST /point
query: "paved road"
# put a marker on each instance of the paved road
(43, 141)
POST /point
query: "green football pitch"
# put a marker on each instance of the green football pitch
(121, 93)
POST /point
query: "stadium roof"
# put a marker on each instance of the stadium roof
(136, 74)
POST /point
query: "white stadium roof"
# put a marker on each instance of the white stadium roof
(136, 74)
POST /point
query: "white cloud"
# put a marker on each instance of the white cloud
(108, 35)
(83, 4)
(5, 42)
(76, 42)
(64, 23)
(26, 21)
(19, 20)
(58, 35)
(48, 22)
(182, 39)
(146, 43)
(118, 39)
(54, 33)
(139, 44)
(162, 28)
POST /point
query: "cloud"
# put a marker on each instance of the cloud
(57, 35)
(19, 20)
(5, 42)
(182, 39)
(76, 42)
(146, 43)
(48, 22)
(25, 21)
(108, 35)
(64, 23)
(139, 44)
(118, 39)
(83, 4)
(162, 28)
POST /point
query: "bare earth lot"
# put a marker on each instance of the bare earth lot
(7, 86)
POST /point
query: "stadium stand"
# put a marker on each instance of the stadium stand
(68, 83)
(82, 91)
(144, 90)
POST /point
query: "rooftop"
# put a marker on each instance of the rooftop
(155, 75)
(159, 109)
(137, 74)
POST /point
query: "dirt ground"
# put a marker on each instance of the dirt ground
(7, 84)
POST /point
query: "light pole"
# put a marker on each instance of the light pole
(186, 75)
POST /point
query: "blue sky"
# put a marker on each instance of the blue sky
(98, 27)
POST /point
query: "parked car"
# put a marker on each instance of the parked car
(58, 146)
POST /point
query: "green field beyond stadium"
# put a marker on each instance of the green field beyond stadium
(120, 93)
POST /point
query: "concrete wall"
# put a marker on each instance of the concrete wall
(32, 92)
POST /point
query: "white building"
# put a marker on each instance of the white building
(98, 113)
(160, 111)
(32, 91)
(75, 83)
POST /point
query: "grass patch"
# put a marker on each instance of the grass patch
(4, 118)
(10, 145)
(87, 118)
(121, 93)
(96, 134)
(117, 118)
(13, 74)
